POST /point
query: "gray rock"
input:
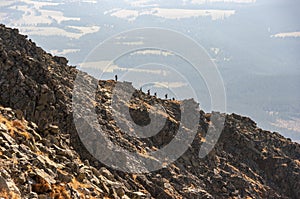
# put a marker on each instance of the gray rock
(105, 172)
(81, 176)
(64, 177)
(3, 128)
(3, 185)
(33, 195)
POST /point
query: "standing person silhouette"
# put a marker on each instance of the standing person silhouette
(166, 96)
(116, 78)
(148, 92)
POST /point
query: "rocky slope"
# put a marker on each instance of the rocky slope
(42, 155)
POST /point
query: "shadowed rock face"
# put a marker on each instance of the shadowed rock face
(48, 159)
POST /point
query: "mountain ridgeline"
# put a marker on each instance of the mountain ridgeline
(42, 155)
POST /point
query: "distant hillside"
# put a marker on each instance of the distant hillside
(42, 155)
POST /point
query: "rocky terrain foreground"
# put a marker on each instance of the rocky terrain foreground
(42, 156)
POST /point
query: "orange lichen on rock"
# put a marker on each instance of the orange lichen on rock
(9, 195)
(79, 186)
(59, 192)
(18, 124)
(15, 127)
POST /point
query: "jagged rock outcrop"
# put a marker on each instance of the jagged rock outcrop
(49, 160)
(41, 164)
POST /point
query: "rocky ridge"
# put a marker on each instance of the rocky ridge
(37, 164)
(42, 156)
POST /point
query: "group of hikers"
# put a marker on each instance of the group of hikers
(148, 91)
